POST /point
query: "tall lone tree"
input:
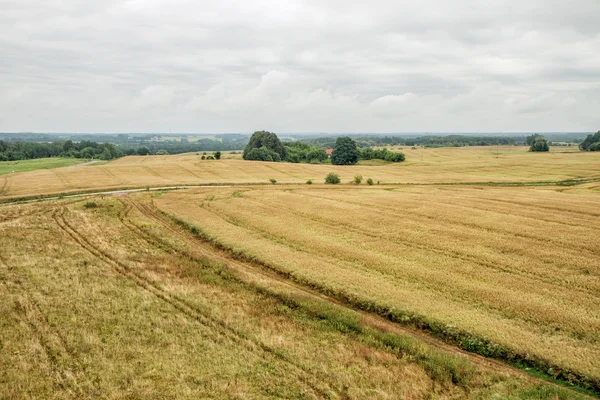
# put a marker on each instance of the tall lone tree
(263, 143)
(539, 144)
(345, 152)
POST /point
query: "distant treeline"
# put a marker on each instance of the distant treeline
(13, 151)
(427, 141)
(184, 146)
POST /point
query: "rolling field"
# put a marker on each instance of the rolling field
(108, 298)
(445, 165)
(435, 283)
(504, 271)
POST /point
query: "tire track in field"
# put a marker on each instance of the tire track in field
(388, 209)
(185, 308)
(3, 188)
(394, 239)
(157, 242)
(251, 273)
(61, 178)
(6, 187)
(188, 171)
(442, 290)
(501, 210)
(151, 171)
(52, 342)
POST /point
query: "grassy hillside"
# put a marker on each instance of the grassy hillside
(447, 165)
(106, 298)
(7, 167)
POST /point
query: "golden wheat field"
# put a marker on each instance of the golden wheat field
(445, 165)
(519, 267)
(107, 298)
(458, 274)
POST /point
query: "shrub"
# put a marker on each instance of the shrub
(217, 155)
(309, 182)
(90, 204)
(358, 179)
(273, 181)
(332, 178)
(395, 157)
(595, 147)
(210, 158)
(203, 157)
(370, 182)
(162, 153)
(262, 154)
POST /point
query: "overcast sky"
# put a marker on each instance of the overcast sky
(299, 66)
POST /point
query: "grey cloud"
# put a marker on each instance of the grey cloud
(233, 65)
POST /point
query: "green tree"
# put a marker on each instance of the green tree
(539, 144)
(143, 151)
(87, 152)
(345, 152)
(217, 155)
(589, 141)
(106, 155)
(267, 140)
(262, 154)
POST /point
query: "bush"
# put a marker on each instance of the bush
(370, 182)
(210, 158)
(595, 147)
(217, 155)
(262, 154)
(273, 181)
(358, 179)
(90, 204)
(162, 153)
(395, 157)
(203, 157)
(309, 182)
(332, 178)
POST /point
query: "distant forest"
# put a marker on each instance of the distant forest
(438, 141)
(21, 146)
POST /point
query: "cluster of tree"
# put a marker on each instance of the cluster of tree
(591, 142)
(299, 152)
(383, 154)
(346, 152)
(264, 146)
(183, 146)
(537, 143)
(12, 151)
(427, 141)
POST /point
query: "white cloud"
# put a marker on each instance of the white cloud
(299, 65)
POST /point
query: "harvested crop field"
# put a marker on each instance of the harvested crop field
(506, 272)
(108, 298)
(507, 164)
